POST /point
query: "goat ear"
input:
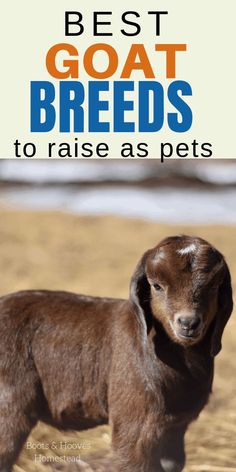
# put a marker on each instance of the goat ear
(225, 307)
(140, 293)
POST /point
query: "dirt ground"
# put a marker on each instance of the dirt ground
(96, 255)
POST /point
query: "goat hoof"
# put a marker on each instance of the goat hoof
(170, 465)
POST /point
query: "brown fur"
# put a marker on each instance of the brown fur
(74, 361)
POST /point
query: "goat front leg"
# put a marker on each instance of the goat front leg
(137, 447)
(172, 454)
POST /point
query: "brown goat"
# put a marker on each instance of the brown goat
(145, 363)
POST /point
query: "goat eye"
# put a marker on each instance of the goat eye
(157, 287)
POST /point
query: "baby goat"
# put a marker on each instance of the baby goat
(145, 364)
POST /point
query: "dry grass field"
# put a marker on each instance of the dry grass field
(96, 255)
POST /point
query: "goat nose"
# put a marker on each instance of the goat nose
(188, 322)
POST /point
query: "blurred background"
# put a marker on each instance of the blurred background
(61, 218)
(174, 192)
